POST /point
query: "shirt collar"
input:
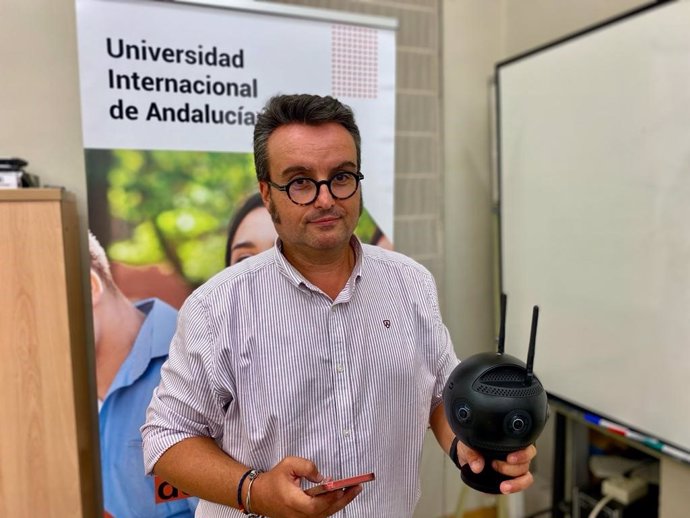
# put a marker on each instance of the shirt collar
(158, 328)
(152, 341)
(300, 281)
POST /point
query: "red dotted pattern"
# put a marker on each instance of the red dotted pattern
(355, 61)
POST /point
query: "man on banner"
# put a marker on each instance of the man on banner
(320, 358)
(132, 343)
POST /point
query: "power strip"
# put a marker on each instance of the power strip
(624, 489)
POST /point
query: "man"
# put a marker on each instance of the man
(131, 345)
(320, 357)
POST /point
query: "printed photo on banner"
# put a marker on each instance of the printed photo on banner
(169, 105)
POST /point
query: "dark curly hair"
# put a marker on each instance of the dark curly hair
(303, 108)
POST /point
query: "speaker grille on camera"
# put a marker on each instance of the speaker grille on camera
(491, 390)
(503, 375)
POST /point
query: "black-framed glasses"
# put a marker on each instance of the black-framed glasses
(304, 191)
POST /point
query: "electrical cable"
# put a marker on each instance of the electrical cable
(600, 505)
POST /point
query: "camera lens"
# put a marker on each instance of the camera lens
(463, 413)
(517, 423)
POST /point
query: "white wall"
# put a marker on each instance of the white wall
(39, 92)
(532, 23)
(471, 46)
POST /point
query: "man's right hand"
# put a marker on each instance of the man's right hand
(278, 494)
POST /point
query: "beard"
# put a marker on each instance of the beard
(275, 217)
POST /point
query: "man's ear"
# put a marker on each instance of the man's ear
(97, 288)
(265, 191)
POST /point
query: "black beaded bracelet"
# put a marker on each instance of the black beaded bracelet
(239, 490)
(453, 453)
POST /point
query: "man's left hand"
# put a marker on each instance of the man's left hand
(516, 466)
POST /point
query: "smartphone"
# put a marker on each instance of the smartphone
(339, 484)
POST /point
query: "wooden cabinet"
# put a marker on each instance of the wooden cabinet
(48, 419)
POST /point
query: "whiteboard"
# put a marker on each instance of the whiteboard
(594, 171)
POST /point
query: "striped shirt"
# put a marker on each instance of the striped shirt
(269, 366)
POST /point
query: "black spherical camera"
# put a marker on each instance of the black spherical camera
(496, 405)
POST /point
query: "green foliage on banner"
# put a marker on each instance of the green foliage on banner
(365, 227)
(177, 205)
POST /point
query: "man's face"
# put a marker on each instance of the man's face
(316, 152)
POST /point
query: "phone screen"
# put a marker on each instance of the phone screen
(342, 483)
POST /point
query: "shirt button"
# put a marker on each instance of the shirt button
(339, 367)
(346, 432)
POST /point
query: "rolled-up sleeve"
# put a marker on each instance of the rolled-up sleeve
(446, 363)
(186, 402)
(441, 346)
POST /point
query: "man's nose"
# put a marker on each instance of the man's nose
(324, 198)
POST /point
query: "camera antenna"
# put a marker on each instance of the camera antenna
(502, 331)
(532, 342)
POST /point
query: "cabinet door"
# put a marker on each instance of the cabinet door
(48, 447)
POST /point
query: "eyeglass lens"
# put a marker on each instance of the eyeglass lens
(306, 190)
